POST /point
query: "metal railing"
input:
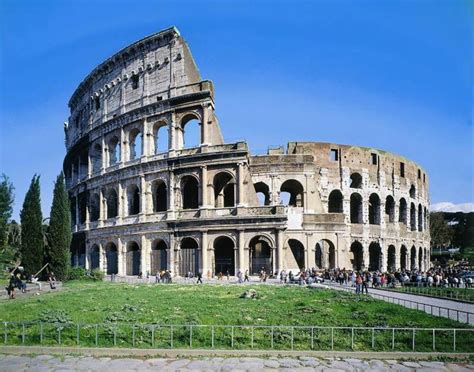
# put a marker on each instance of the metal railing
(243, 337)
(466, 294)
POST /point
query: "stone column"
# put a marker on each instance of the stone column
(143, 192)
(102, 215)
(240, 176)
(171, 196)
(120, 258)
(397, 257)
(204, 263)
(144, 255)
(170, 257)
(78, 222)
(104, 160)
(203, 184)
(101, 257)
(279, 240)
(123, 146)
(120, 202)
(241, 249)
(89, 164)
(87, 258)
(204, 125)
(365, 255)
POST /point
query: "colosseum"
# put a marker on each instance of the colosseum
(145, 198)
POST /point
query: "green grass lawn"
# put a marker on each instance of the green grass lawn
(117, 307)
(465, 294)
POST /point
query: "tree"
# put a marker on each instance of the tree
(6, 208)
(59, 231)
(32, 244)
(441, 232)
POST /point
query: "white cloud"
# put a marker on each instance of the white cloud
(451, 207)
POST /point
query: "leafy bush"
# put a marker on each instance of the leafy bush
(97, 274)
(77, 273)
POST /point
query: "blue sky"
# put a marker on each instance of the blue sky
(395, 75)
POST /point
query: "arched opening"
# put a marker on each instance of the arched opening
(72, 205)
(420, 259)
(158, 256)
(413, 258)
(426, 219)
(190, 192)
(335, 202)
(191, 132)
(224, 190)
(294, 191)
(260, 255)
(160, 135)
(94, 257)
(96, 158)
(132, 259)
(420, 218)
(263, 193)
(114, 151)
(318, 256)
(325, 254)
(403, 257)
(297, 250)
(112, 205)
(412, 217)
(356, 181)
(189, 257)
(83, 166)
(356, 208)
(135, 144)
(390, 209)
(224, 253)
(82, 200)
(357, 256)
(111, 257)
(391, 258)
(402, 214)
(133, 199)
(426, 259)
(160, 196)
(374, 209)
(412, 191)
(375, 257)
(94, 207)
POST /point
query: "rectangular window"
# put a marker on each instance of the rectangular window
(334, 155)
(419, 174)
(97, 103)
(402, 169)
(135, 80)
(424, 177)
(373, 157)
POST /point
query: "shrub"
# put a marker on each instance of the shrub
(97, 274)
(77, 273)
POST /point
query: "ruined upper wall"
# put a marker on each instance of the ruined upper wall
(156, 68)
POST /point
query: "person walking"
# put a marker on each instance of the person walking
(199, 278)
(365, 281)
(239, 277)
(246, 279)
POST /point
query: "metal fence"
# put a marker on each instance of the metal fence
(466, 294)
(243, 337)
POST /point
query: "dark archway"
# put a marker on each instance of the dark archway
(357, 256)
(403, 257)
(94, 207)
(413, 258)
(96, 158)
(420, 259)
(133, 199)
(375, 257)
(190, 192)
(224, 254)
(297, 250)
(112, 204)
(114, 151)
(391, 258)
(160, 196)
(260, 255)
(94, 257)
(335, 204)
(224, 190)
(412, 217)
(158, 256)
(356, 208)
(412, 192)
(112, 258)
(420, 218)
(374, 209)
(390, 209)
(189, 260)
(263, 193)
(356, 181)
(325, 254)
(402, 213)
(132, 259)
(82, 200)
(295, 192)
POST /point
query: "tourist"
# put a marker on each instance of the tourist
(199, 278)
(365, 281)
(157, 276)
(19, 283)
(358, 283)
(240, 277)
(11, 287)
(246, 278)
(52, 280)
(228, 275)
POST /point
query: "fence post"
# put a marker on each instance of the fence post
(115, 336)
(352, 338)
(212, 336)
(272, 338)
(190, 336)
(231, 337)
(413, 340)
(312, 338)
(454, 340)
(152, 336)
(373, 338)
(41, 333)
(23, 333)
(133, 335)
(96, 334)
(251, 339)
(434, 340)
(171, 336)
(5, 334)
(393, 338)
(292, 336)
(332, 338)
(59, 335)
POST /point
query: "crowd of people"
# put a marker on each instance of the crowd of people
(18, 280)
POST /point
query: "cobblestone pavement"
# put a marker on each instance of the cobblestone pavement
(87, 363)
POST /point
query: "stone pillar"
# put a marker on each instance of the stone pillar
(171, 196)
(143, 192)
(101, 257)
(204, 126)
(365, 255)
(87, 258)
(78, 222)
(204, 262)
(89, 164)
(384, 256)
(240, 176)
(203, 184)
(102, 215)
(120, 257)
(241, 248)
(104, 160)
(120, 202)
(144, 255)
(279, 240)
(123, 146)
(397, 257)
(171, 252)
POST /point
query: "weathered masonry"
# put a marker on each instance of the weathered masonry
(143, 198)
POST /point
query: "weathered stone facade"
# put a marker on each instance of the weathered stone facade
(142, 201)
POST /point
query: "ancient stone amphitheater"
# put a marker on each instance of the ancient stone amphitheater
(145, 198)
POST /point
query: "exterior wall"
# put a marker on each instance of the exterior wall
(210, 217)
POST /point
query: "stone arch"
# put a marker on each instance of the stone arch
(189, 259)
(260, 254)
(295, 192)
(135, 144)
(403, 257)
(375, 257)
(356, 208)
(412, 217)
(94, 206)
(412, 191)
(111, 258)
(94, 256)
(82, 201)
(413, 258)
(335, 202)
(357, 251)
(189, 192)
(263, 193)
(96, 157)
(356, 181)
(132, 256)
(114, 150)
(224, 255)
(402, 213)
(374, 209)
(420, 259)
(297, 251)
(160, 137)
(158, 256)
(133, 200)
(420, 217)
(111, 203)
(159, 196)
(191, 128)
(325, 254)
(390, 209)
(224, 190)
(391, 258)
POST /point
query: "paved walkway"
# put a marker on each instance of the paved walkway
(88, 363)
(436, 306)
